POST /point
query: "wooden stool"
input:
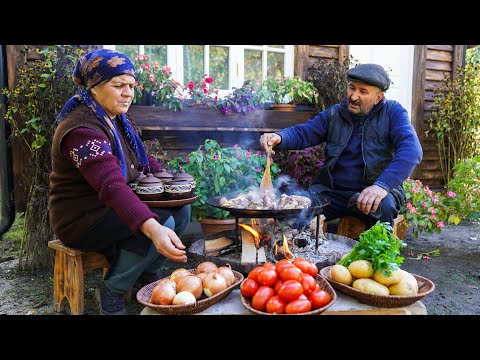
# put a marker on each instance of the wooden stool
(70, 266)
(352, 227)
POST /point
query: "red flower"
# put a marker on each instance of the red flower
(209, 80)
(191, 85)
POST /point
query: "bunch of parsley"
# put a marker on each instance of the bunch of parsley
(379, 246)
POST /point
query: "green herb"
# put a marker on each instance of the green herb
(379, 246)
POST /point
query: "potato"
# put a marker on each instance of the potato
(404, 287)
(395, 277)
(409, 277)
(341, 274)
(361, 269)
(371, 286)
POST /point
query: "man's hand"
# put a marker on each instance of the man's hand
(370, 198)
(269, 140)
(165, 240)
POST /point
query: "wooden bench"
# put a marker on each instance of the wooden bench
(352, 227)
(69, 269)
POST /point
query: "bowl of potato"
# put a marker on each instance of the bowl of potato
(375, 288)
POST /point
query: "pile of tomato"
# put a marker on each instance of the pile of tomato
(288, 287)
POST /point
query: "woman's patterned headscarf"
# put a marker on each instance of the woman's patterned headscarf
(92, 69)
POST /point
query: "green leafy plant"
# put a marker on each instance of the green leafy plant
(287, 90)
(455, 118)
(43, 86)
(379, 246)
(330, 79)
(302, 165)
(220, 170)
(424, 208)
(156, 81)
(463, 197)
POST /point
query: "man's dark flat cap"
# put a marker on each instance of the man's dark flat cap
(370, 74)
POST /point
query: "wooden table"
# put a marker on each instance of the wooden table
(345, 305)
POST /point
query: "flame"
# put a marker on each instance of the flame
(285, 251)
(255, 233)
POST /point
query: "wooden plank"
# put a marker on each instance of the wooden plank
(437, 75)
(458, 57)
(249, 251)
(418, 84)
(438, 65)
(261, 257)
(343, 52)
(439, 55)
(441, 47)
(213, 247)
(432, 84)
(323, 52)
(301, 60)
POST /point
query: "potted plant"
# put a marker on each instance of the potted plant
(287, 90)
(218, 171)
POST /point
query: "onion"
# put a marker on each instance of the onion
(184, 298)
(178, 274)
(227, 273)
(202, 275)
(169, 282)
(213, 284)
(162, 294)
(206, 266)
(191, 284)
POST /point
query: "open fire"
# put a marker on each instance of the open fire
(282, 251)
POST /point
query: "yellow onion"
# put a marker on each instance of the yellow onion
(213, 284)
(168, 281)
(184, 298)
(162, 294)
(227, 273)
(178, 274)
(206, 267)
(191, 284)
(202, 275)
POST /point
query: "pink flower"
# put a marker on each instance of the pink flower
(216, 157)
(435, 199)
(166, 69)
(248, 154)
(191, 85)
(187, 159)
(413, 210)
(239, 155)
(433, 211)
(209, 80)
(414, 189)
(235, 146)
(257, 170)
(475, 190)
(440, 224)
(451, 194)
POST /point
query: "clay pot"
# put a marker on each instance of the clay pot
(163, 175)
(134, 183)
(182, 175)
(178, 189)
(150, 189)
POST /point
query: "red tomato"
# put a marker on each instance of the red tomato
(277, 285)
(268, 265)
(309, 284)
(302, 264)
(253, 274)
(298, 306)
(290, 273)
(302, 297)
(259, 300)
(267, 277)
(290, 290)
(249, 287)
(313, 269)
(280, 266)
(275, 305)
(319, 299)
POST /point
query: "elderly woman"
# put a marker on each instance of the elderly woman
(95, 153)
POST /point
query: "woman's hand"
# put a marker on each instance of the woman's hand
(165, 240)
(269, 140)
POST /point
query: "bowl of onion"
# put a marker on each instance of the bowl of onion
(189, 291)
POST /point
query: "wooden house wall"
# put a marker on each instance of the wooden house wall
(431, 64)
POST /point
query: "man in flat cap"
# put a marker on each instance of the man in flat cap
(371, 148)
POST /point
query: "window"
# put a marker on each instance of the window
(229, 65)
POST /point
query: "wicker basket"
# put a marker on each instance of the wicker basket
(144, 294)
(425, 287)
(323, 284)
